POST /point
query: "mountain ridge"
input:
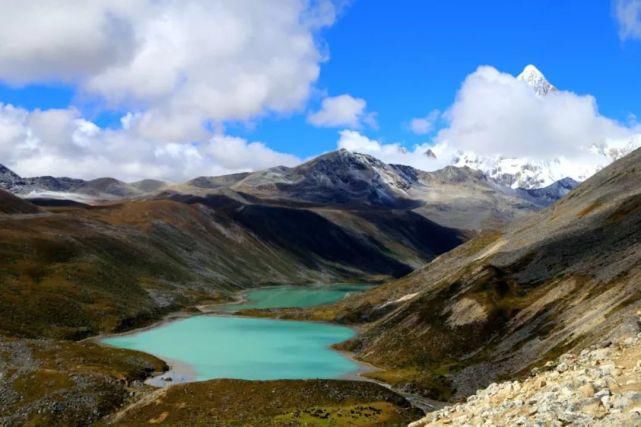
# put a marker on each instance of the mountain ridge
(340, 178)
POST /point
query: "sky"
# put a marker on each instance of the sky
(175, 89)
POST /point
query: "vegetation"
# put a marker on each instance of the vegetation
(273, 403)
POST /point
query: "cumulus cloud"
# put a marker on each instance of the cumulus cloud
(180, 63)
(342, 111)
(62, 143)
(426, 124)
(496, 116)
(628, 16)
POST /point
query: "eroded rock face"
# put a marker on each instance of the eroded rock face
(599, 386)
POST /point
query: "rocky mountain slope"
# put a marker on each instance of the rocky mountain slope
(506, 301)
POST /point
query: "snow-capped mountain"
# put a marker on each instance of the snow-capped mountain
(536, 80)
(524, 173)
(529, 173)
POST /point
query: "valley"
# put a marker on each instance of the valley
(459, 297)
(320, 213)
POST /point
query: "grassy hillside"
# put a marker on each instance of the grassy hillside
(77, 271)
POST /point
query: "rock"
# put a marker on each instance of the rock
(581, 390)
(600, 354)
(592, 407)
(587, 390)
(633, 396)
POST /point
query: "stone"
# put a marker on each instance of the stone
(587, 390)
(633, 396)
(592, 407)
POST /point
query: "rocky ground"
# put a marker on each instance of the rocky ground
(599, 386)
(62, 383)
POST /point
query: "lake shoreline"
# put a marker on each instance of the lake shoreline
(180, 372)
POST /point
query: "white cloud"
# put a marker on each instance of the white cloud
(62, 143)
(628, 16)
(342, 111)
(180, 63)
(393, 153)
(496, 114)
(496, 118)
(426, 124)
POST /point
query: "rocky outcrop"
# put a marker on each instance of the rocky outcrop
(598, 386)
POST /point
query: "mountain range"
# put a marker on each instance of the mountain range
(457, 197)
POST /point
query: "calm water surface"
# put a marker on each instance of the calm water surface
(246, 348)
(250, 348)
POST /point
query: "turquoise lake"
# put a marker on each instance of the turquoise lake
(246, 348)
(251, 348)
(295, 296)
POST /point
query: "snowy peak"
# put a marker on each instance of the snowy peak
(9, 179)
(536, 80)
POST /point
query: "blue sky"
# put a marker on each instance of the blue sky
(405, 60)
(410, 59)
